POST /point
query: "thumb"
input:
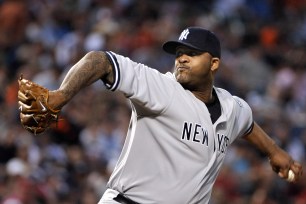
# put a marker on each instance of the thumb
(283, 173)
(280, 174)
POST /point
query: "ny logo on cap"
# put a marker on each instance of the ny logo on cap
(184, 34)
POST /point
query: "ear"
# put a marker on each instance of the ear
(215, 61)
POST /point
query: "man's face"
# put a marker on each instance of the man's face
(194, 69)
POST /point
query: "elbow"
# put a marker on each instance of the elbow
(99, 64)
(94, 55)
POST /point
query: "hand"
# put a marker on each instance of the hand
(36, 115)
(281, 162)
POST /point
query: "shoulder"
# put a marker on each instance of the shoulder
(224, 94)
(228, 100)
(221, 91)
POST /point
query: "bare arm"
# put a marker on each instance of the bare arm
(281, 162)
(92, 67)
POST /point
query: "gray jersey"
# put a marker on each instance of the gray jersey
(173, 152)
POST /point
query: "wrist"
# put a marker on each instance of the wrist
(56, 100)
(272, 149)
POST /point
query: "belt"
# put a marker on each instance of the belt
(124, 200)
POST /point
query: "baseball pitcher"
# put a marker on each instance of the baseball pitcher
(181, 124)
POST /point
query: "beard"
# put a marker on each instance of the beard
(193, 82)
(184, 80)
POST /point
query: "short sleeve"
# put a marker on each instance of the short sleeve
(244, 118)
(147, 88)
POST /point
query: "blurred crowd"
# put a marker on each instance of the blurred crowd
(263, 61)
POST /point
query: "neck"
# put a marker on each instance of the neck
(205, 96)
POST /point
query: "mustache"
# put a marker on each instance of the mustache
(182, 65)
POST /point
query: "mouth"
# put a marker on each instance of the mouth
(182, 68)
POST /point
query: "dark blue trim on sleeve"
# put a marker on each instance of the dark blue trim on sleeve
(116, 71)
(249, 130)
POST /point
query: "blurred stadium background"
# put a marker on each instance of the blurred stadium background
(263, 61)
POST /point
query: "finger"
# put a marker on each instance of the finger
(23, 82)
(282, 175)
(27, 96)
(297, 169)
(28, 119)
(27, 109)
(20, 79)
(24, 97)
(283, 172)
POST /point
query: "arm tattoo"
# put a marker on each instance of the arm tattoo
(92, 67)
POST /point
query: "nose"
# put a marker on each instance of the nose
(183, 58)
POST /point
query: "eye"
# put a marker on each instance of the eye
(178, 53)
(193, 53)
(190, 53)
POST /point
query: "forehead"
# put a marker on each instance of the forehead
(185, 48)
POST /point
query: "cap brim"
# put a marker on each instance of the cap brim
(170, 46)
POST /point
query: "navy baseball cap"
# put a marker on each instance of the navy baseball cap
(196, 38)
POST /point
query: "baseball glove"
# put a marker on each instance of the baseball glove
(35, 114)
